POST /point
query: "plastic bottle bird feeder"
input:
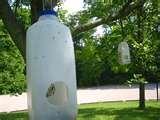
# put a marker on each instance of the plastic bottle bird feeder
(51, 72)
(124, 53)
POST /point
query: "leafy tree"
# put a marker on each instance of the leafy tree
(12, 79)
(17, 30)
(89, 63)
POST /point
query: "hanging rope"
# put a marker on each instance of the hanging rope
(122, 29)
(50, 4)
(43, 2)
(140, 15)
(47, 4)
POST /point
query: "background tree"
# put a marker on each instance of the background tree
(17, 30)
(12, 79)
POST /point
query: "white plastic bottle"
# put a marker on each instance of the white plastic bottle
(51, 73)
(124, 53)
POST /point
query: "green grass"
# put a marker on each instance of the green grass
(106, 111)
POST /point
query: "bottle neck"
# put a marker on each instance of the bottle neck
(48, 17)
(48, 14)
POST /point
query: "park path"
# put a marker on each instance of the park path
(89, 95)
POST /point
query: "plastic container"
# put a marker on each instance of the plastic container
(51, 72)
(124, 53)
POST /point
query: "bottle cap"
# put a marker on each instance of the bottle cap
(48, 12)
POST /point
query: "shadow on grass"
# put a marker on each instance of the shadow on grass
(149, 113)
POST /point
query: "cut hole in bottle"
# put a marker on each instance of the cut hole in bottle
(57, 93)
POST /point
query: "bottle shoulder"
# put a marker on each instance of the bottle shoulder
(49, 24)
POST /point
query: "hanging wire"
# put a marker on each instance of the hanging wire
(48, 4)
(122, 28)
(21, 6)
(140, 18)
(51, 4)
(43, 3)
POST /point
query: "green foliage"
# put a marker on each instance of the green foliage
(89, 64)
(12, 79)
(12, 67)
(144, 53)
(137, 79)
(23, 15)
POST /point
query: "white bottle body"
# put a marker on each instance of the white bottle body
(124, 53)
(51, 72)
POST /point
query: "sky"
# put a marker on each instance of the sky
(73, 5)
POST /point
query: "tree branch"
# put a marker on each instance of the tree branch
(140, 16)
(36, 7)
(18, 33)
(123, 12)
(15, 29)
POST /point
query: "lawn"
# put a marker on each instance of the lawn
(106, 111)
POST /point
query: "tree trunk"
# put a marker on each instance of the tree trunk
(14, 26)
(36, 7)
(140, 15)
(157, 91)
(141, 95)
